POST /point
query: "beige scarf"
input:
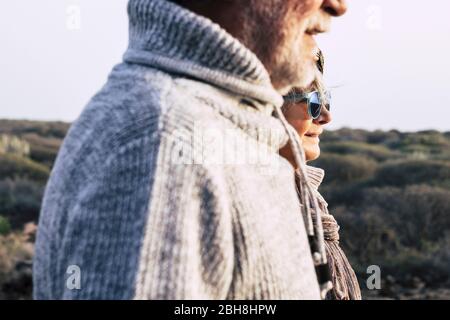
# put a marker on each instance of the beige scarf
(325, 248)
(345, 283)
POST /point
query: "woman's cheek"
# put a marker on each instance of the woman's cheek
(302, 127)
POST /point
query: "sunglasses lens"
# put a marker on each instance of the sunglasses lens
(315, 110)
(315, 105)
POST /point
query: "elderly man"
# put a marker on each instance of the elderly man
(145, 203)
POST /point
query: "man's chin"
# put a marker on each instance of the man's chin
(294, 70)
(302, 86)
(303, 82)
(307, 78)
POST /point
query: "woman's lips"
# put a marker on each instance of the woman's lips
(314, 136)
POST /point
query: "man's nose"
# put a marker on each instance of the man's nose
(324, 118)
(335, 8)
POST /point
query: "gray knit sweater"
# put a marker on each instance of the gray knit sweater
(169, 184)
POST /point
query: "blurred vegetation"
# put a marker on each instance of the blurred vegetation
(389, 191)
(27, 152)
(5, 226)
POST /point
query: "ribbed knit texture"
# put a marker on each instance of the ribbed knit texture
(345, 283)
(136, 198)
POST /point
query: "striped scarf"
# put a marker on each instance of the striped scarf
(337, 271)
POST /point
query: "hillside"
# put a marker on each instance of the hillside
(389, 191)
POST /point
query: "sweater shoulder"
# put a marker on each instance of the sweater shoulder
(141, 102)
(140, 105)
(128, 107)
(190, 106)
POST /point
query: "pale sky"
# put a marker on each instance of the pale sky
(388, 59)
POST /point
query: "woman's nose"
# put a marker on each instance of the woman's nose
(324, 118)
(335, 8)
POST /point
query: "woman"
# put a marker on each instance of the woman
(308, 112)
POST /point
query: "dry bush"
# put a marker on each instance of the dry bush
(408, 172)
(406, 231)
(372, 151)
(341, 169)
(46, 129)
(16, 252)
(20, 201)
(12, 166)
(14, 145)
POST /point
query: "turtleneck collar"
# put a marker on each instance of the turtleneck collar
(169, 37)
(315, 176)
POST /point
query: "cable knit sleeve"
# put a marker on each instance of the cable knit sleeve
(187, 250)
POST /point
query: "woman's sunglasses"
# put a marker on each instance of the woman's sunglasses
(313, 101)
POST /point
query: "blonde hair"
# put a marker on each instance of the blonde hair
(321, 87)
(317, 85)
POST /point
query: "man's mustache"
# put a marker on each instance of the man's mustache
(319, 23)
